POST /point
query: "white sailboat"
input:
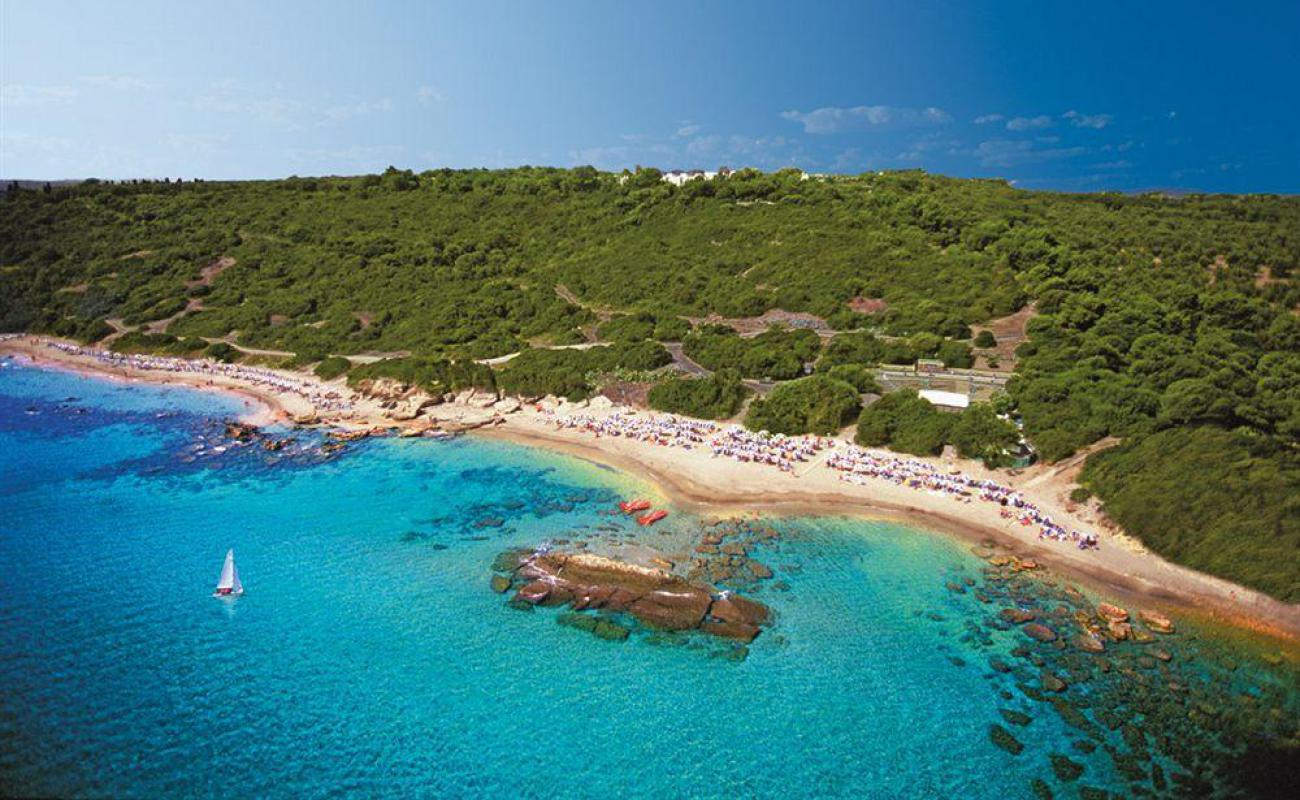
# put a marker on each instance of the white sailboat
(229, 585)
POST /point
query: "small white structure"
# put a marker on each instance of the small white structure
(678, 177)
(948, 400)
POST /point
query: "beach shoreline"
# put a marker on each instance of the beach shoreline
(722, 487)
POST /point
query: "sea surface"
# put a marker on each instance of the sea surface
(369, 655)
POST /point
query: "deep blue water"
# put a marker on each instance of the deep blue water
(369, 655)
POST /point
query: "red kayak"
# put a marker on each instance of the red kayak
(652, 517)
(633, 506)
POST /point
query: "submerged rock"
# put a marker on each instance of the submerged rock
(1017, 616)
(1040, 632)
(1156, 621)
(500, 584)
(611, 631)
(1002, 737)
(1067, 771)
(1051, 682)
(1112, 613)
(1089, 643)
(655, 597)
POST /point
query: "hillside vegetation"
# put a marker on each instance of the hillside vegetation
(1168, 322)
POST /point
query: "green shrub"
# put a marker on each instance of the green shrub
(220, 351)
(857, 376)
(904, 422)
(718, 396)
(434, 375)
(980, 433)
(1225, 502)
(816, 404)
(986, 339)
(332, 367)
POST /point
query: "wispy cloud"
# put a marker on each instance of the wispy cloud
(19, 95)
(119, 83)
(1017, 153)
(428, 94)
(364, 108)
(929, 145)
(687, 130)
(229, 98)
(1029, 123)
(986, 119)
(865, 118)
(1094, 121)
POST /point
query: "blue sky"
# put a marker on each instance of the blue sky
(1078, 96)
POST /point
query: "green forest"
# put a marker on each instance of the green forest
(1170, 323)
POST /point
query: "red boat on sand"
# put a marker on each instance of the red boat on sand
(652, 517)
(633, 506)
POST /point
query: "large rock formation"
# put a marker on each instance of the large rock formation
(655, 597)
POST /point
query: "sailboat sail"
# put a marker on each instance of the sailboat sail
(229, 581)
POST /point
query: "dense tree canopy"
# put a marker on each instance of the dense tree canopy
(718, 396)
(816, 404)
(1165, 319)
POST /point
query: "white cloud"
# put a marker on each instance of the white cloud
(865, 118)
(1094, 121)
(926, 145)
(428, 94)
(1113, 165)
(985, 119)
(197, 143)
(1008, 153)
(19, 95)
(118, 82)
(687, 130)
(228, 98)
(340, 113)
(1029, 123)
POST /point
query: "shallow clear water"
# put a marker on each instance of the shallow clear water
(369, 654)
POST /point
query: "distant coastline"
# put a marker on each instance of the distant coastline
(723, 487)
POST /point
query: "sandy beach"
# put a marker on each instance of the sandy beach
(718, 486)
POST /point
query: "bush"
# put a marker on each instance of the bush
(986, 339)
(980, 433)
(1225, 502)
(220, 351)
(857, 376)
(162, 344)
(330, 368)
(628, 328)
(569, 373)
(434, 375)
(816, 404)
(777, 353)
(719, 396)
(904, 422)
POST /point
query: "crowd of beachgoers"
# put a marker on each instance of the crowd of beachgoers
(858, 466)
(735, 442)
(855, 464)
(314, 393)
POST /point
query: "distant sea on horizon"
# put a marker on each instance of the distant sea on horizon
(370, 656)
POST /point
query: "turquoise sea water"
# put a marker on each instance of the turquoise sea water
(369, 655)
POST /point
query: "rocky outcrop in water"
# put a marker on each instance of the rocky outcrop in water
(654, 597)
